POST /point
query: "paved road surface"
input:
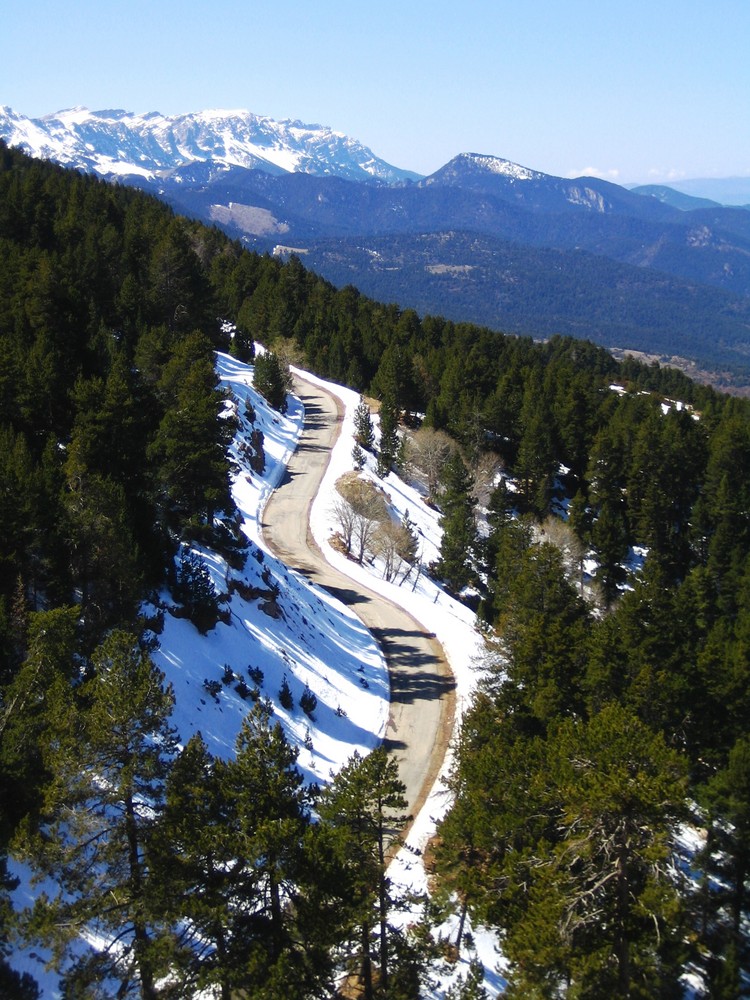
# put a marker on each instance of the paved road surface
(422, 686)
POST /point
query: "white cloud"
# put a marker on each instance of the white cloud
(658, 174)
(611, 174)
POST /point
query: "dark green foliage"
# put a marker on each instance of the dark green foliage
(726, 860)
(544, 626)
(458, 548)
(395, 379)
(470, 987)
(358, 457)
(258, 456)
(364, 435)
(242, 346)
(308, 702)
(388, 443)
(103, 558)
(190, 444)
(37, 692)
(177, 286)
(572, 770)
(609, 533)
(270, 380)
(112, 452)
(107, 756)
(236, 856)
(363, 806)
(666, 460)
(535, 462)
(194, 589)
(286, 699)
(561, 841)
(255, 674)
(114, 278)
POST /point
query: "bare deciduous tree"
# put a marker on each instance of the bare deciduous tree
(428, 451)
(344, 516)
(572, 549)
(396, 544)
(368, 510)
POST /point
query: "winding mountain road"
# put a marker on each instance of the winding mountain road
(422, 686)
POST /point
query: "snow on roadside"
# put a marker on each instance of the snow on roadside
(455, 628)
(315, 642)
(310, 638)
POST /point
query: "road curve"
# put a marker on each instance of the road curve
(422, 686)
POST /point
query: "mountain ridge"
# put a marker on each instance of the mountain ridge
(276, 186)
(120, 143)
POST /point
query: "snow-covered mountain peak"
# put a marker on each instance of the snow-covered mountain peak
(479, 165)
(497, 165)
(76, 116)
(118, 142)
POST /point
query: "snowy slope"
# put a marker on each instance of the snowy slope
(316, 641)
(454, 626)
(120, 143)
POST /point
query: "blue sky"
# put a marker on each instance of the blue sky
(634, 91)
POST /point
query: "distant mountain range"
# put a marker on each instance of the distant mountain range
(718, 190)
(482, 239)
(118, 144)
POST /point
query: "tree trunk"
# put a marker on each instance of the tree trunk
(738, 900)
(366, 963)
(142, 941)
(276, 917)
(621, 942)
(461, 924)
(383, 906)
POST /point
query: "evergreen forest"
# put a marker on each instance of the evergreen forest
(612, 713)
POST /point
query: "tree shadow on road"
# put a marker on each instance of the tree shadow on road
(417, 674)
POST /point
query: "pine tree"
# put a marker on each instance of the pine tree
(544, 624)
(364, 805)
(364, 434)
(727, 862)
(40, 690)
(194, 589)
(267, 824)
(190, 449)
(388, 445)
(535, 463)
(243, 345)
(602, 914)
(458, 547)
(358, 457)
(395, 377)
(610, 530)
(238, 872)
(178, 288)
(562, 843)
(108, 762)
(471, 987)
(501, 805)
(270, 380)
(193, 889)
(102, 550)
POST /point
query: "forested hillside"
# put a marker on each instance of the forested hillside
(585, 749)
(490, 280)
